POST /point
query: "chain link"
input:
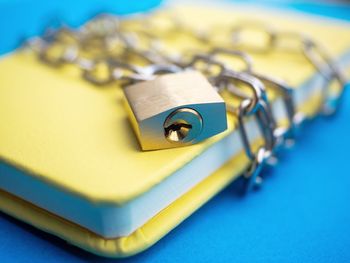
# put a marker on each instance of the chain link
(109, 50)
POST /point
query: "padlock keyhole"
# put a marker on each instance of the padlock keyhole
(182, 125)
(177, 131)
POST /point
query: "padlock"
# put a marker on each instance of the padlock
(175, 110)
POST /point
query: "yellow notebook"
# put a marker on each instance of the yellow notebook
(71, 165)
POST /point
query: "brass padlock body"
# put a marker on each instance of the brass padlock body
(175, 110)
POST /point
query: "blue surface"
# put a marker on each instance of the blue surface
(302, 213)
(20, 19)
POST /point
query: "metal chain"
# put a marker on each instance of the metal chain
(109, 50)
(314, 52)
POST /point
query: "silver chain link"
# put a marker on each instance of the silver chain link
(106, 51)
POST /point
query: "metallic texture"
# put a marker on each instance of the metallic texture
(183, 125)
(175, 110)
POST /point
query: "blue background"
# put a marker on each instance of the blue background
(301, 214)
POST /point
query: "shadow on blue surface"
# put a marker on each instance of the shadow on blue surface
(59, 246)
